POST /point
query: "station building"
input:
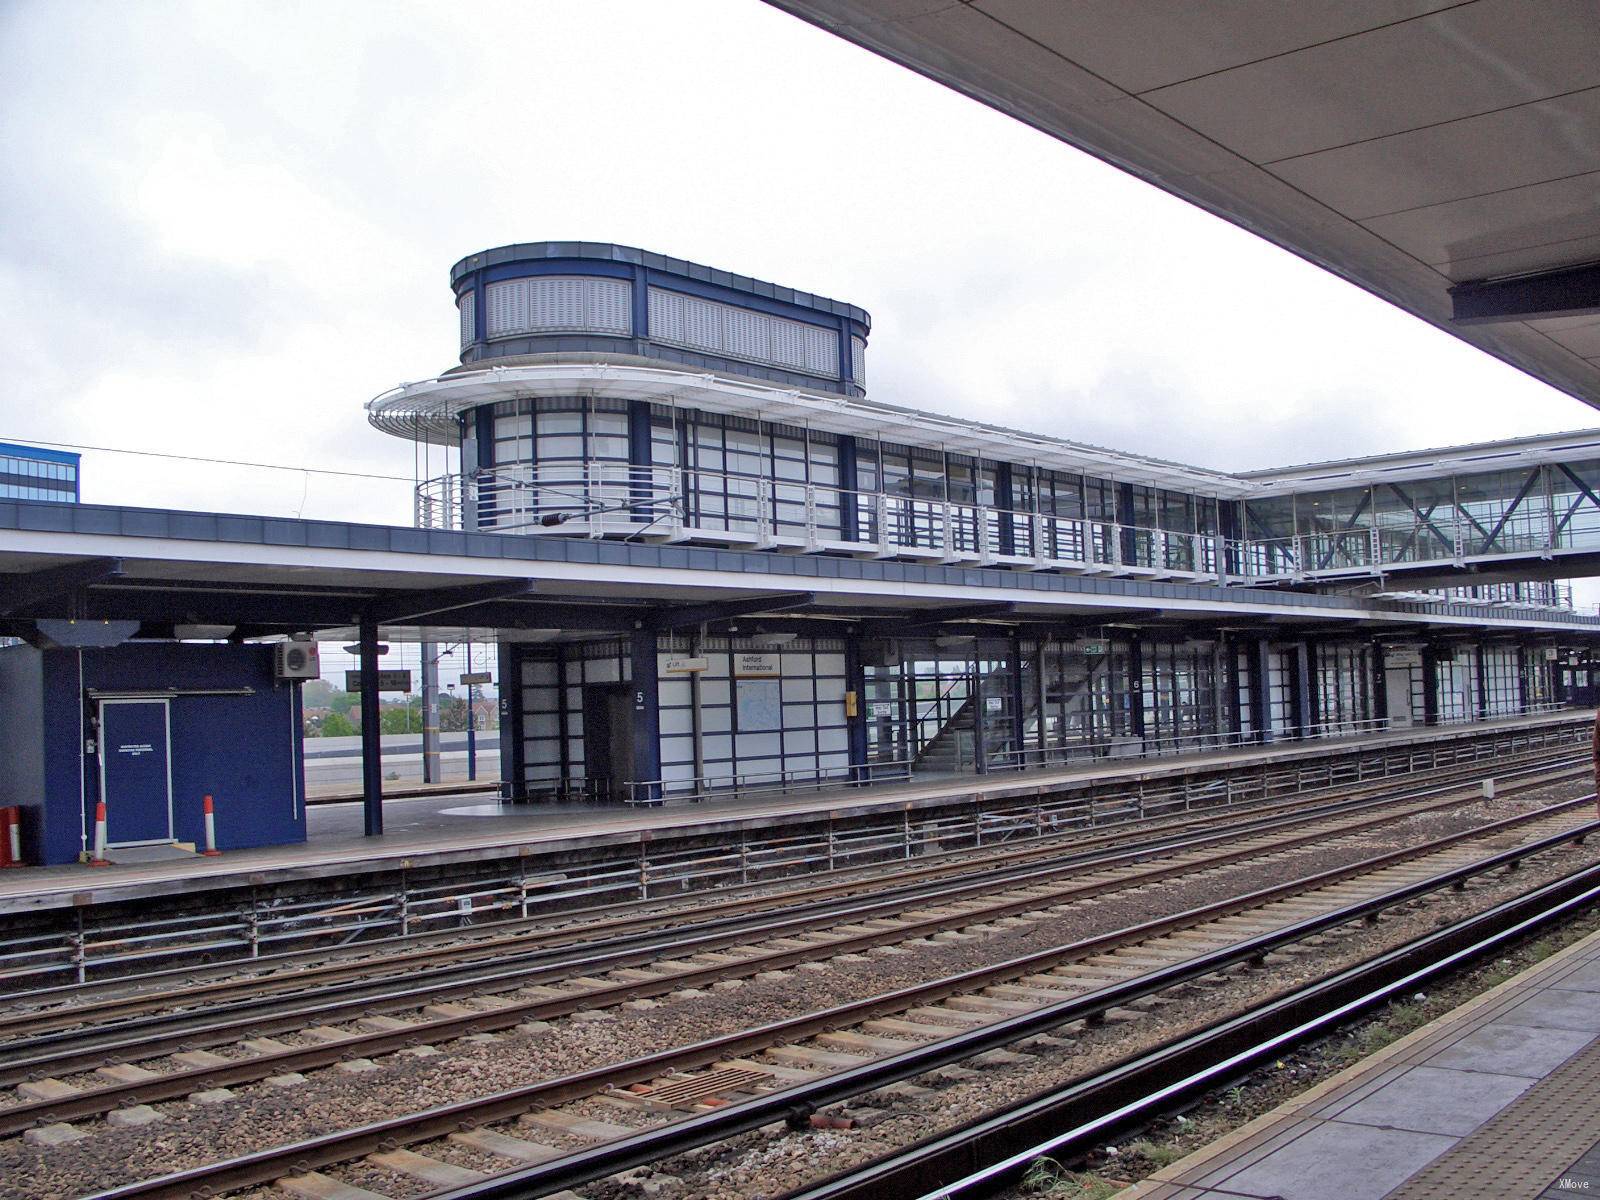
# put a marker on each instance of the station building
(613, 398)
(91, 711)
(715, 566)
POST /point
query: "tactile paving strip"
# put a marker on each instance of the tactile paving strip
(1521, 1152)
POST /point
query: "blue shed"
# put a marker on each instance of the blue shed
(153, 728)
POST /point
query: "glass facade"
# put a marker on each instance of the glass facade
(710, 473)
(32, 473)
(957, 705)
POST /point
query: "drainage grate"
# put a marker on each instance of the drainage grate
(685, 1093)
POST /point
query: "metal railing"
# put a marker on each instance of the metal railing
(675, 504)
(709, 787)
(600, 499)
(398, 901)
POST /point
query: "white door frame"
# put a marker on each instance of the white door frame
(166, 710)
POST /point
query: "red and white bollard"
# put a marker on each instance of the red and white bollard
(100, 859)
(11, 848)
(211, 850)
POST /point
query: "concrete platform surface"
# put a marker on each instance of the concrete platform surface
(1500, 1098)
(445, 828)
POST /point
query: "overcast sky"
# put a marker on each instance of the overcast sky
(224, 226)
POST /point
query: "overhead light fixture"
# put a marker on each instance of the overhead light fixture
(203, 633)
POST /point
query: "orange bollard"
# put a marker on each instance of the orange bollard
(100, 859)
(211, 850)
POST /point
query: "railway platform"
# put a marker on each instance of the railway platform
(1493, 1099)
(437, 832)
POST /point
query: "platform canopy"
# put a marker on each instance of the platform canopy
(1442, 155)
(159, 573)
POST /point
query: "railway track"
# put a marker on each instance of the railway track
(777, 1058)
(984, 1157)
(546, 988)
(908, 884)
(198, 981)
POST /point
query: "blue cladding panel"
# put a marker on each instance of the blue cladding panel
(244, 750)
(133, 743)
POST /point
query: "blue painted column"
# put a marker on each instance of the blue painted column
(1430, 687)
(482, 418)
(1379, 682)
(1135, 686)
(1019, 731)
(639, 460)
(848, 523)
(371, 745)
(1230, 526)
(641, 304)
(513, 771)
(1005, 501)
(1305, 714)
(1129, 548)
(1260, 669)
(646, 767)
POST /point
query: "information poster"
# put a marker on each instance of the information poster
(760, 705)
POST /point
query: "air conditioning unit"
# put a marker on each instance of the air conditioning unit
(296, 659)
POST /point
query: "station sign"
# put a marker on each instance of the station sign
(1097, 647)
(388, 681)
(1393, 659)
(880, 708)
(756, 665)
(685, 666)
(477, 677)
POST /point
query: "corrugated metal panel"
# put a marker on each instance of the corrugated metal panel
(559, 304)
(739, 333)
(610, 307)
(746, 334)
(468, 319)
(858, 360)
(668, 316)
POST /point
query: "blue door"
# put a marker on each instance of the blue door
(135, 771)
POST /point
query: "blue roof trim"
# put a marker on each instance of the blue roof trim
(610, 252)
(40, 454)
(106, 519)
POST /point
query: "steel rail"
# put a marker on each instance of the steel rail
(1141, 1088)
(70, 1050)
(799, 1101)
(542, 927)
(747, 911)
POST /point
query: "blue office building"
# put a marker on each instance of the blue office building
(34, 473)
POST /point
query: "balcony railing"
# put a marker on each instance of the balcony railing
(672, 504)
